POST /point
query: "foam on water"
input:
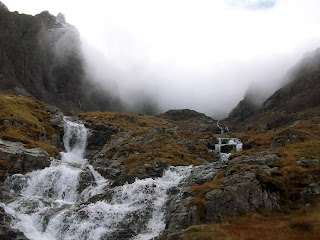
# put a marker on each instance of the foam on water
(227, 142)
(75, 141)
(50, 204)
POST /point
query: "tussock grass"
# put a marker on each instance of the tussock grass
(207, 232)
(23, 114)
(164, 148)
(303, 223)
(125, 121)
(162, 151)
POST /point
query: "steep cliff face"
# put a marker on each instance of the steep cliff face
(302, 92)
(40, 56)
(245, 109)
(299, 94)
(253, 99)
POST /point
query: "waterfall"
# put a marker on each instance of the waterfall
(226, 146)
(221, 129)
(75, 141)
(57, 203)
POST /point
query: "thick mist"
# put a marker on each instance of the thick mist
(202, 55)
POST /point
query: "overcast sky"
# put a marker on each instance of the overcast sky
(198, 54)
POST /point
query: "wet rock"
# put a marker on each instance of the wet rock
(21, 159)
(56, 141)
(240, 192)
(99, 134)
(85, 180)
(153, 170)
(6, 232)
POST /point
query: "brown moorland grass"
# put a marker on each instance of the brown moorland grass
(139, 124)
(290, 178)
(302, 224)
(162, 151)
(25, 113)
(164, 146)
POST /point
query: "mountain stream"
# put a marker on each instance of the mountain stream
(70, 200)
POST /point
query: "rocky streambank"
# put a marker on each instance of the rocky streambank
(124, 147)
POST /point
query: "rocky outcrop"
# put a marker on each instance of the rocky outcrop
(3, 7)
(56, 116)
(288, 136)
(297, 99)
(253, 99)
(245, 109)
(240, 191)
(191, 120)
(19, 159)
(302, 90)
(99, 135)
(7, 232)
(40, 56)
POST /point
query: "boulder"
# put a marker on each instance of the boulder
(99, 134)
(288, 136)
(240, 192)
(6, 232)
(20, 159)
(56, 116)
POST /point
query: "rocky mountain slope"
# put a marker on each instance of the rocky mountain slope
(274, 181)
(298, 98)
(302, 92)
(40, 56)
(278, 170)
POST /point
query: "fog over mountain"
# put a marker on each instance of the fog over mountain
(201, 55)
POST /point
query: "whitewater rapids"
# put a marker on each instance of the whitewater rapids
(71, 201)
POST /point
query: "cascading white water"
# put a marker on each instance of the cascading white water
(221, 129)
(234, 143)
(75, 141)
(54, 203)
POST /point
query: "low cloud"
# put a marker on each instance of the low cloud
(201, 55)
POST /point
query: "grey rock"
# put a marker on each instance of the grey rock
(23, 159)
(56, 119)
(155, 131)
(304, 162)
(56, 141)
(288, 136)
(3, 7)
(99, 134)
(6, 123)
(51, 109)
(241, 192)
(263, 158)
(6, 232)
(312, 190)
